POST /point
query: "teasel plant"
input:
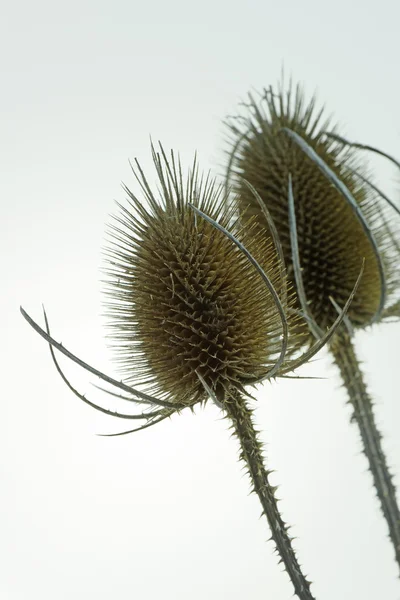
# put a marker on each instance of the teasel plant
(198, 308)
(287, 162)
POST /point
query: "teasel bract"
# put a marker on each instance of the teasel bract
(199, 309)
(330, 215)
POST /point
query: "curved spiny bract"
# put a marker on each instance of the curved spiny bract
(330, 216)
(390, 231)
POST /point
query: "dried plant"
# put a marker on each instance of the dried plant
(199, 309)
(329, 216)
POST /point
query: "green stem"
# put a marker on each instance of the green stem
(252, 454)
(363, 414)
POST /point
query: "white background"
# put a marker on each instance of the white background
(165, 513)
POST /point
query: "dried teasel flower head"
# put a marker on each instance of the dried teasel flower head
(188, 310)
(199, 308)
(328, 214)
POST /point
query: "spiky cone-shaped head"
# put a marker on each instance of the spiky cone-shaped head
(183, 301)
(334, 234)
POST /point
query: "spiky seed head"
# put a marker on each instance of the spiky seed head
(331, 240)
(183, 301)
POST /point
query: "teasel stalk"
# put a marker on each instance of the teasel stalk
(199, 309)
(329, 215)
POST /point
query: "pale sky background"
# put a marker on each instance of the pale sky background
(165, 513)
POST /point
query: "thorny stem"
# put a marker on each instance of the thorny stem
(252, 454)
(363, 414)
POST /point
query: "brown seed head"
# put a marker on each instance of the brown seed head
(184, 301)
(332, 241)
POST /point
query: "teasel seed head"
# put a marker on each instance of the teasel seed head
(329, 216)
(338, 219)
(187, 309)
